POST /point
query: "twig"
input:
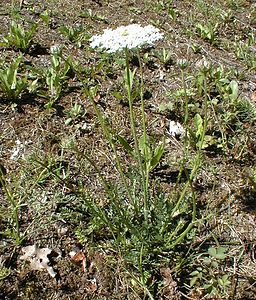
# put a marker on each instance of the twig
(235, 280)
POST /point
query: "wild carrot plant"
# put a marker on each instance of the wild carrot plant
(143, 224)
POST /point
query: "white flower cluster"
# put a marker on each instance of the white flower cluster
(131, 36)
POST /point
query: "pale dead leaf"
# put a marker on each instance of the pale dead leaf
(29, 251)
(38, 258)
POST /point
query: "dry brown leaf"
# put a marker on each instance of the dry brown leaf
(253, 96)
(78, 258)
(92, 286)
(169, 290)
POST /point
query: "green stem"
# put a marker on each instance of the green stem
(189, 183)
(133, 128)
(186, 97)
(205, 115)
(196, 166)
(108, 136)
(194, 171)
(186, 141)
(144, 127)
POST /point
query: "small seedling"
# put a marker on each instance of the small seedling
(195, 48)
(55, 76)
(93, 16)
(208, 275)
(228, 17)
(12, 84)
(208, 140)
(251, 39)
(173, 13)
(244, 52)
(4, 273)
(164, 56)
(19, 38)
(45, 17)
(73, 113)
(207, 32)
(75, 34)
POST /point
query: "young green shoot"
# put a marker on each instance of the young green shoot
(19, 38)
(11, 83)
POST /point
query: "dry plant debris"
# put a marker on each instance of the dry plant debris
(38, 259)
(78, 257)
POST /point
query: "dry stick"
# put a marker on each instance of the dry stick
(235, 280)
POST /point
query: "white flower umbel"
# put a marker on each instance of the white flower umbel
(131, 36)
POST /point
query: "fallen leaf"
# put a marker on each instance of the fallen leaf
(92, 286)
(253, 96)
(97, 98)
(170, 286)
(79, 257)
(38, 258)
